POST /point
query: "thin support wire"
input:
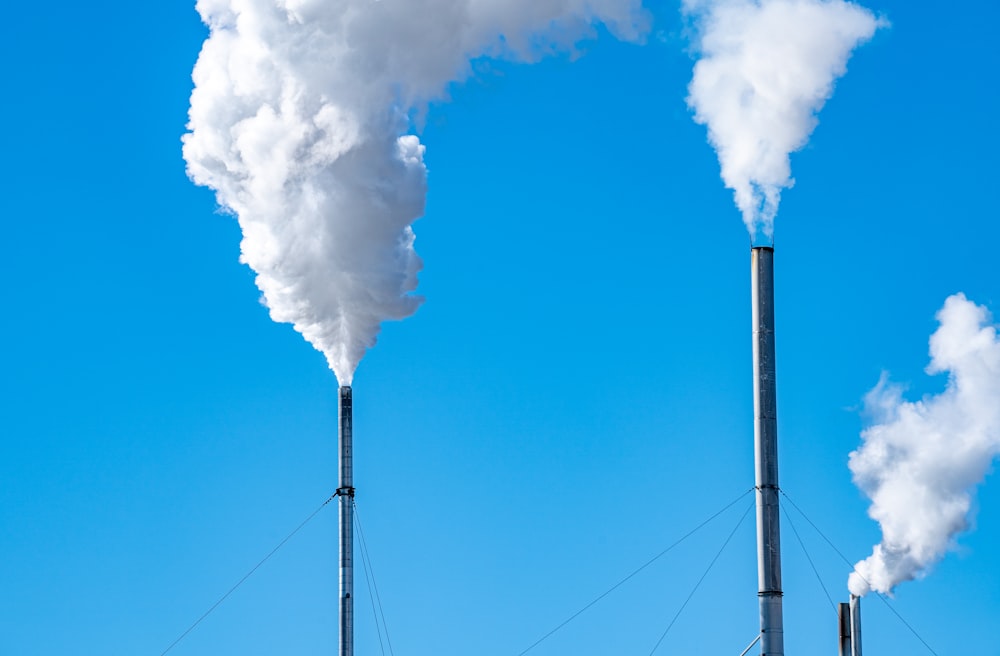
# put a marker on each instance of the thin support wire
(808, 558)
(905, 623)
(248, 574)
(884, 598)
(371, 596)
(750, 646)
(634, 572)
(816, 528)
(366, 560)
(705, 574)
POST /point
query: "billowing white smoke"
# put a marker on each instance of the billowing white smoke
(765, 68)
(298, 121)
(921, 461)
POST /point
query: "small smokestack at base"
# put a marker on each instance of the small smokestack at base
(855, 606)
(844, 621)
(345, 491)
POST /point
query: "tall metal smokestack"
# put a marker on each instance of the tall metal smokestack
(345, 491)
(766, 453)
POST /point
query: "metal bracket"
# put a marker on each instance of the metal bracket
(344, 492)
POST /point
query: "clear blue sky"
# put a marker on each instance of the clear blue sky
(573, 397)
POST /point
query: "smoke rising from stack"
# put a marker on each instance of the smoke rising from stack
(921, 460)
(765, 68)
(299, 122)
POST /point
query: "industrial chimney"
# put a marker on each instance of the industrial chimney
(855, 607)
(844, 626)
(849, 616)
(345, 491)
(772, 641)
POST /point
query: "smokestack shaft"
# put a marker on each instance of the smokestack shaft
(345, 491)
(766, 453)
(844, 617)
(855, 607)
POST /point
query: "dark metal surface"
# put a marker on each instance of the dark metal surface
(844, 617)
(345, 492)
(766, 453)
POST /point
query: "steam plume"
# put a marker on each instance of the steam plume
(298, 121)
(921, 460)
(766, 68)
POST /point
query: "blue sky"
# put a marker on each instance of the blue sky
(573, 396)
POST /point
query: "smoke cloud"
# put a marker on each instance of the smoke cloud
(765, 68)
(920, 462)
(299, 122)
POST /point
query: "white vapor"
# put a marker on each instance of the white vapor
(299, 122)
(921, 461)
(764, 69)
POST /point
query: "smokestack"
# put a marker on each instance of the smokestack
(844, 620)
(766, 453)
(855, 606)
(345, 491)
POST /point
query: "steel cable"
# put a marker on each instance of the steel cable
(808, 558)
(366, 560)
(371, 597)
(248, 574)
(705, 574)
(636, 571)
(884, 598)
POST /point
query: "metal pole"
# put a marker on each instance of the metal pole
(844, 617)
(855, 625)
(766, 453)
(346, 493)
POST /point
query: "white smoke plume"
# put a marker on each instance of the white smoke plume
(765, 68)
(299, 122)
(921, 461)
